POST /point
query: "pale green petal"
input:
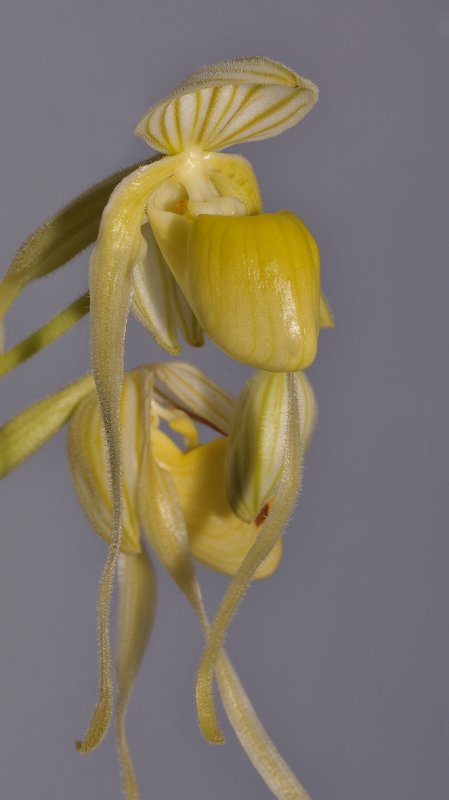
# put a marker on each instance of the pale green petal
(269, 534)
(243, 100)
(136, 610)
(59, 239)
(120, 246)
(29, 430)
(45, 335)
(191, 389)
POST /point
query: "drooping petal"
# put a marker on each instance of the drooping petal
(136, 610)
(30, 429)
(218, 538)
(45, 335)
(269, 534)
(191, 389)
(253, 283)
(243, 100)
(60, 238)
(119, 247)
(158, 302)
(163, 523)
(256, 445)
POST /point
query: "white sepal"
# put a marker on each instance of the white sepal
(227, 103)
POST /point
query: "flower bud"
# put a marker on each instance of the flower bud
(256, 444)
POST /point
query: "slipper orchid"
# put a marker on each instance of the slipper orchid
(182, 241)
(177, 495)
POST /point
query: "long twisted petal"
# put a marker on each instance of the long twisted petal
(165, 528)
(269, 534)
(136, 609)
(119, 248)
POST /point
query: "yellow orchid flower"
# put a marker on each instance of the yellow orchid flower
(178, 497)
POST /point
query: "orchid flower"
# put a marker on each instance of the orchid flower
(212, 502)
(182, 241)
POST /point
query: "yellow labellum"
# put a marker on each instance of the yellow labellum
(217, 537)
(253, 283)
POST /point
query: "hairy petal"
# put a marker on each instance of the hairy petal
(267, 538)
(59, 239)
(164, 525)
(119, 248)
(136, 610)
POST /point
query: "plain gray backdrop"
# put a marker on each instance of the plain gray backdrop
(345, 650)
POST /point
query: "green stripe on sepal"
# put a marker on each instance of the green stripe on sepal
(256, 444)
(243, 100)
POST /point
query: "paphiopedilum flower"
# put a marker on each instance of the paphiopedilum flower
(183, 241)
(177, 496)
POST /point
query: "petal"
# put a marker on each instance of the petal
(253, 283)
(45, 335)
(217, 537)
(136, 610)
(158, 302)
(29, 430)
(269, 534)
(191, 389)
(59, 239)
(243, 100)
(164, 525)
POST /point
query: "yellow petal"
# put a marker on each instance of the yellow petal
(253, 283)
(29, 430)
(217, 537)
(136, 609)
(227, 103)
(268, 537)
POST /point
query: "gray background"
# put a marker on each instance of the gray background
(345, 650)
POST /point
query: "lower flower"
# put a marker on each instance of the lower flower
(179, 493)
